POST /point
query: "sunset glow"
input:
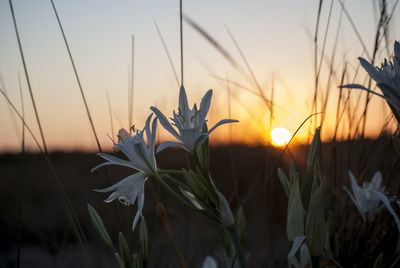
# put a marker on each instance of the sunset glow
(280, 136)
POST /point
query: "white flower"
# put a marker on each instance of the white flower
(209, 262)
(387, 78)
(367, 203)
(141, 158)
(369, 197)
(305, 258)
(189, 123)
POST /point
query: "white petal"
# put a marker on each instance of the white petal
(209, 262)
(189, 138)
(126, 182)
(113, 161)
(147, 128)
(295, 247)
(355, 203)
(140, 208)
(358, 192)
(165, 123)
(305, 258)
(135, 158)
(224, 121)
(386, 202)
(183, 102)
(167, 144)
(376, 181)
(205, 105)
(371, 70)
(152, 142)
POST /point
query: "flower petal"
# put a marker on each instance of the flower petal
(147, 128)
(295, 247)
(386, 202)
(205, 105)
(224, 121)
(389, 98)
(123, 183)
(140, 208)
(371, 70)
(167, 144)
(126, 192)
(152, 142)
(355, 203)
(112, 161)
(183, 102)
(165, 123)
(209, 262)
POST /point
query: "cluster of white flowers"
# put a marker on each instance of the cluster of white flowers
(190, 125)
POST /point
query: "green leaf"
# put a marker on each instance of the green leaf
(119, 260)
(241, 224)
(136, 263)
(284, 181)
(124, 249)
(378, 261)
(292, 171)
(143, 238)
(314, 149)
(101, 229)
(315, 225)
(295, 212)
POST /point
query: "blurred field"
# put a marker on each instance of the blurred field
(48, 239)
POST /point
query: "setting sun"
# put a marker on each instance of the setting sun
(280, 136)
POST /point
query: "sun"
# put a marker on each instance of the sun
(280, 136)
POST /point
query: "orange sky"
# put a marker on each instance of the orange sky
(273, 35)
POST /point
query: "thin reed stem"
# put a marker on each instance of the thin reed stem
(27, 76)
(131, 89)
(84, 101)
(71, 213)
(181, 38)
(77, 77)
(167, 52)
(12, 115)
(21, 180)
(110, 114)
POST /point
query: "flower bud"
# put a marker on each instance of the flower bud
(226, 216)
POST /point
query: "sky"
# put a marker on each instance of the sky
(276, 38)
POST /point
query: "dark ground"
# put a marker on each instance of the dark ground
(48, 239)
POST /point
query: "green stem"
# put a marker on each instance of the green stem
(169, 171)
(169, 177)
(238, 247)
(173, 193)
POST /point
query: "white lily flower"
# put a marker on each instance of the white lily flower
(188, 122)
(387, 78)
(369, 198)
(367, 203)
(141, 157)
(305, 258)
(209, 262)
